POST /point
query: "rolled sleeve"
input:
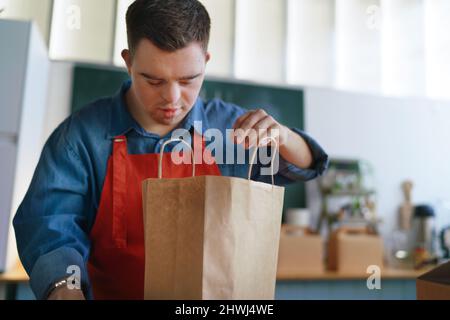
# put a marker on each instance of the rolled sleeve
(53, 266)
(319, 164)
(289, 173)
(52, 222)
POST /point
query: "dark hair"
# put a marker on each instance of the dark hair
(168, 24)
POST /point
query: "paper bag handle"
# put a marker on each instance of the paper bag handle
(161, 154)
(271, 161)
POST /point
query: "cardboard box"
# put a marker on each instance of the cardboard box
(352, 250)
(435, 284)
(301, 251)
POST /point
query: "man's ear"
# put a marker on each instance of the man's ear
(207, 57)
(126, 56)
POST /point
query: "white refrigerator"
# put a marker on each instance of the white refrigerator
(24, 72)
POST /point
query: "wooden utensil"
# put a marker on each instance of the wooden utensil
(407, 208)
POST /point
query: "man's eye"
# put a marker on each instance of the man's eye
(185, 83)
(152, 83)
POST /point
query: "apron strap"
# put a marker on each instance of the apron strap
(119, 184)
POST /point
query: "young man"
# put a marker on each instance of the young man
(83, 211)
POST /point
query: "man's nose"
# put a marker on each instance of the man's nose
(172, 93)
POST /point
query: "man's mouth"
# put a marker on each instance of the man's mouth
(170, 112)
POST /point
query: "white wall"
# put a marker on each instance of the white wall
(401, 138)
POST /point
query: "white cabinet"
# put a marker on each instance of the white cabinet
(221, 43)
(260, 40)
(358, 45)
(403, 50)
(120, 42)
(310, 51)
(38, 11)
(437, 44)
(82, 30)
(8, 159)
(24, 68)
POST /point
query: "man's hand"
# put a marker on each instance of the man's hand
(64, 293)
(253, 128)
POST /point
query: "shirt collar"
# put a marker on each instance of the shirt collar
(196, 118)
(122, 121)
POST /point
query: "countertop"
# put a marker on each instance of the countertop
(18, 274)
(386, 273)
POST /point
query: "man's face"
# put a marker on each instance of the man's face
(166, 84)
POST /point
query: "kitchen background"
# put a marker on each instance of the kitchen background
(369, 79)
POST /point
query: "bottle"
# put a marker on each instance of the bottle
(423, 230)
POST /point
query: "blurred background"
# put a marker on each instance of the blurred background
(368, 79)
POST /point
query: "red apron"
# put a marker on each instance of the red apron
(117, 258)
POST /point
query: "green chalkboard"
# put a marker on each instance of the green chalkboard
(284, 104)
(91, 82)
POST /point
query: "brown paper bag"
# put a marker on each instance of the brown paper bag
(211, 237)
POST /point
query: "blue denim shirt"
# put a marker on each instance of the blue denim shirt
(53, 222)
